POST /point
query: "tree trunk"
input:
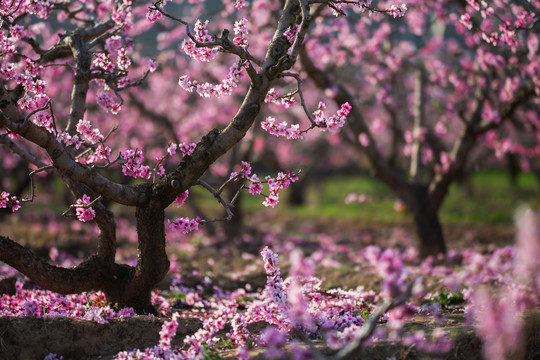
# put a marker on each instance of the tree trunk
(152, 266)
(427, 224)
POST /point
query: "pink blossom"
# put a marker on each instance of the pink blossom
(397, 11)
(84, 213)
(179, 201)
(6, 202)
(240, 4)
(184, 225)
(465, 19)
(241, 32)
(201, 35)
(90, 135)
(153, 15)
(152, 66)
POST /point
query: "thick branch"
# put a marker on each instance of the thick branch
(63, 161)
(81, 80)
(84, 277)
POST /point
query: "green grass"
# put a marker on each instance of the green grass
(487, 197)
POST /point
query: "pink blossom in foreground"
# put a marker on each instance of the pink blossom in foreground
(184, 225)
(84, 213)
(206, 89)
(69, 140)
(92, 136)
(179, 201)
(201, 35)
(241, 32)
(133, 166)
(398, 11)
(7, 202)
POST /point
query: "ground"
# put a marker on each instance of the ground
(225, 266)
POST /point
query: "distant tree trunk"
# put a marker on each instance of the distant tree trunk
(426, 222)
(234, 227)
(513, 168)
(297, 192)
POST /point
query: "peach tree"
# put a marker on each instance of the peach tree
(73, 86)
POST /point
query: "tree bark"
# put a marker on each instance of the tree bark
(426, 222)
(152, 265)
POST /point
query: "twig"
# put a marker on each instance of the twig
(29, 158)
(32, 187)
(217, 195)
(75, 206)
(223, 42)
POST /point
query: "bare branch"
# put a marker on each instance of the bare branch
(217, 195)
(32, 186)
(29, 158)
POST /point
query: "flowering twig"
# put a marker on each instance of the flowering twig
(223, 42)
(81, 206)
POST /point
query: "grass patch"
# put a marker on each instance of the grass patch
(486, 197)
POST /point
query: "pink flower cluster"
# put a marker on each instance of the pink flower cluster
(122, 60)
(103, 61)
(291, 33)
(211, 325)
(69, 140)
(207, 89)
(132, 164)
(281, 129)
(28, 102)
(43, 119)
(153, 15)
(185, 148)
(282, 181)
(107, 102)
(92, 136)
(240, 4)
(494, 28)
(397, 11)
(334, 122)
(179, 201)
(240, 29)
(185, 225)
(273, 97)
(324, 123)
(84, 212)
(7, 202)
(122, 14)
(202, 36)
(100, 153)
(168, 330)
